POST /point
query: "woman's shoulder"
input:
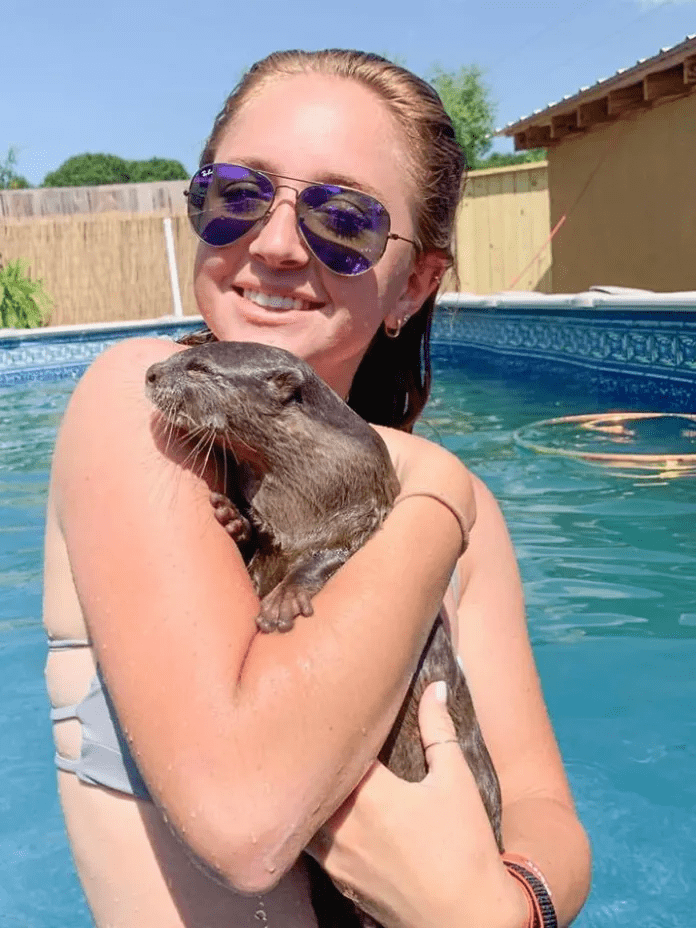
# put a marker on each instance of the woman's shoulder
(115, 381)
(108, 420)
(129, 357)
(405, 446)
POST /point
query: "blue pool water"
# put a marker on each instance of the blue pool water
(608, 564)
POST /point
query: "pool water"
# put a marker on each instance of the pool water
(608, 562)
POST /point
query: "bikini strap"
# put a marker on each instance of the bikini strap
(64, 644)
(61, 713)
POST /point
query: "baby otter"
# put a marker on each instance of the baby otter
(311, 482)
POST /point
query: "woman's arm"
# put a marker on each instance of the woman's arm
(539, 819)
(247, 741)
(421, 855)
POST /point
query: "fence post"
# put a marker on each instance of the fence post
(171, 260)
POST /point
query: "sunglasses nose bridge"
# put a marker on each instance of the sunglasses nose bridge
(279, 239)
(285, 187)
(278, 201)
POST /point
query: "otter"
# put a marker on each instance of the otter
(309, 482)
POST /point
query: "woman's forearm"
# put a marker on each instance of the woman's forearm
(367, 632)
(311, 709)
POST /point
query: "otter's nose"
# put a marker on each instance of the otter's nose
(153, 374)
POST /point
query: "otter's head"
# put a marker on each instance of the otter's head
(254, 399)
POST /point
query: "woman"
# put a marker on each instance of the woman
(243, 745)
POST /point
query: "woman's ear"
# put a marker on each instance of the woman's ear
(423, 280)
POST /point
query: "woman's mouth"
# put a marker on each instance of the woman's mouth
(274, 302)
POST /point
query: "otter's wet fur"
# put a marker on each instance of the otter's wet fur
(310, 483)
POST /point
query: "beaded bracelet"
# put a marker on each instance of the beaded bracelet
(448, 505)
(540, 905)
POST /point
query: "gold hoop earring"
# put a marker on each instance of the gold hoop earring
(394, 331)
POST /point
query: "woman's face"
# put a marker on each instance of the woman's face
(319, 129)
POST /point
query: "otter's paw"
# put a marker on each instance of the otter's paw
(282, 606)
(230, 518)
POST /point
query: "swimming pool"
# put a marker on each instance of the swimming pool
(608, 564)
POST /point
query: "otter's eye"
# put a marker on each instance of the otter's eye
(295, 397)
(287, 386)
(197, 368)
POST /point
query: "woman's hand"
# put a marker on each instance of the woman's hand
(421, 855)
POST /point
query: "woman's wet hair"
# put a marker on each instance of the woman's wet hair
(392, 383)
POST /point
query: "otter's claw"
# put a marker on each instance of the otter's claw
(282, 606)
(230, 518)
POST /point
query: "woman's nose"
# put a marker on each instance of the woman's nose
(278, 242)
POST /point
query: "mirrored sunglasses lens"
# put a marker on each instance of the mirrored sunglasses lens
(347, 230)
(338, 258)
(226, 201)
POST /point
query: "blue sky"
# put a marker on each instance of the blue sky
(141, 79)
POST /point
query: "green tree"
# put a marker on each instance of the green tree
(89, 170)
(9, 178)
(468, 102)
(156, 169)
(24, 304)
(501, 160)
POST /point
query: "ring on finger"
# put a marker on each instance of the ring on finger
(444, 741)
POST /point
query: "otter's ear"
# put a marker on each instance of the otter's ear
(287, 386)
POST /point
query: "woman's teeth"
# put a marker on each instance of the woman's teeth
(272, 302)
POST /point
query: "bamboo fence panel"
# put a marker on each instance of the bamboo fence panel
(103, 267)
(502, 227)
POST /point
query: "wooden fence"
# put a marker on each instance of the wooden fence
(503, 230)
(167, 196)
(106, 266)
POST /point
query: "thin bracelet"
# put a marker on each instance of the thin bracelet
(528, 875)
(448, 505)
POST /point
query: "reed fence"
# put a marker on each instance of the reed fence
(104, 267)
(107, 266)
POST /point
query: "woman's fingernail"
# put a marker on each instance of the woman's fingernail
(441, 691)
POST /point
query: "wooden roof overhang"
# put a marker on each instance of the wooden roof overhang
(668, 75)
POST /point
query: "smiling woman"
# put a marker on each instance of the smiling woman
(197, 758)
(339, 313)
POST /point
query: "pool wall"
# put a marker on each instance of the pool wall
(63, 351)
(633, 345)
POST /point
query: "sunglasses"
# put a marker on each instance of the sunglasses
(345, 229)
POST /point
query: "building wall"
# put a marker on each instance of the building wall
(628, 191)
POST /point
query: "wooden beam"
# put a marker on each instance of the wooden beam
(563, 124)
(690, 70)
(626, 98)
(594, 112)
(665, 83)
(538, 136)
(533, 137)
